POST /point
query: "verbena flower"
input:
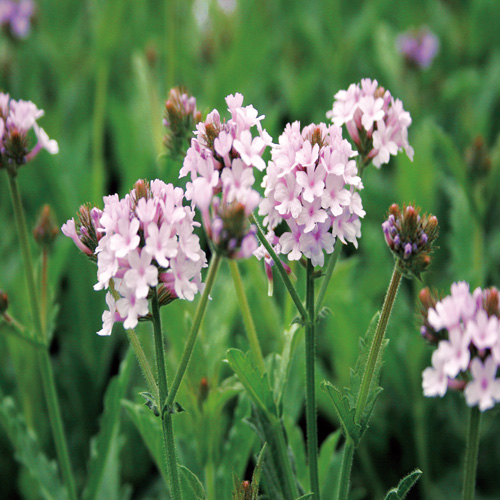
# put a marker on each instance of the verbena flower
(465, 327)
(410, 237)
(17, 16)
(312, 185)
(17, 118)
(419, 47)
(143, 240)
(220, 163)
(181, 117)
(376, 122)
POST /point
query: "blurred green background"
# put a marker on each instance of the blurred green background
(101, 70)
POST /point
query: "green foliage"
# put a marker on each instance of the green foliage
(194, 483)
(404, 486)
(28, 452)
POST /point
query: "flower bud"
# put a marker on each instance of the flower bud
(410, 237)
(4, 302)
(46, 230)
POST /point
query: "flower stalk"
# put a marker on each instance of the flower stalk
(471, 454)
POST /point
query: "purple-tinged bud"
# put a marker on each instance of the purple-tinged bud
(4, 302)
(411, 238)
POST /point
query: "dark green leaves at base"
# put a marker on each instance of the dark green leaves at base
(404, 486)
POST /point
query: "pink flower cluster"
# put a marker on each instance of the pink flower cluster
(143, 240)
(311, 183)
(220, 161)
(17, 118)
(376, 122)
(466, 328)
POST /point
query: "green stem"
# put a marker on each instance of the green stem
(166, 416)
(377, 343)
(172, 49)
(471, 454)
(291, 490)
(44, 286)
(253, 339)
(286, 280)
(328, 274)
(42, 355)
(311, 424)
(143, 363)
(198, 317)
(345, 471)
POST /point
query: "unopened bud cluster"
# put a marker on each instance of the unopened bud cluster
(465, 327)
(46, 230)
(17, 118)
(410, 237)
(181, 117)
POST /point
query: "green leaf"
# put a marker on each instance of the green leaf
(28, 452)
(257, 385)
(104, 444)
(326, 459)
(150, 403)
(344, 411)
(307, 495)
(193, 481)
(149, 428)
(404, 486)
(257, 472)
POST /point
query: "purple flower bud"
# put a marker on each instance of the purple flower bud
(408, 251)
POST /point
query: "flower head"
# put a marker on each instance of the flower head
(17, 16)
(141, 241)
(419, 47)
(311, 184)
(376, 122)
(220, 162)
(410, 237)
(465, 328)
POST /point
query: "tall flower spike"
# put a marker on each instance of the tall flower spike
(465, 327)
(312, 184)
(376, 122)
(141, 241)
(410, 237)
(220, 162)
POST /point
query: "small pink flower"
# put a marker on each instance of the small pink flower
(484, 389)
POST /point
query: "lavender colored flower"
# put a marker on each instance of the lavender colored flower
(311, 183)
(410, 237)
(220, 163)
(142, 241)
(376, 122)
(17, 118)
(419, 47)
(465, 328)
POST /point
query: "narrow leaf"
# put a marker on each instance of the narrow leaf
(307, 495)
(193, 481)
(404, 486)
(257, 472)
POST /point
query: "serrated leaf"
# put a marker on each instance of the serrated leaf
(105, 441)
(344, 412)
(257, 385)
(404, 486)
(194, 483)
(149, 428)
(28, 452)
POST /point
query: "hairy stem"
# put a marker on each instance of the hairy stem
(471, 453)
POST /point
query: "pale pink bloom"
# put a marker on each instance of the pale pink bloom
(23, 115)
(434, 378)
(290, 242)
(108, 317)
(335, 196)
(313, 182)
(372, 111)
(44, 142)
(160, 244)
(142, 274)
(455, 351)
(184, 270)
(446, 314)
(484, 389)
(311, 214)
(250, 149)
(484, 331)
(316, 241)
(147, 212)
(131, 307)
(347, 227)
(308, 155)
(287, 195)
(383, 144)
(69, 230)
(236, 180)
(126, 239)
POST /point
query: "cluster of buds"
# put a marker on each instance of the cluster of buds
(220, 162)
(142, 241)
(410, 237)
(46, 230)
(181, 117)
(465, 327)
(16, 15)
(419, 47)
(312, 184)
(376, 122)
(17, 118)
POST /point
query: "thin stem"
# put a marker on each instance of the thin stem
(246, 313)
(377, 343)
(44, 286)
(42, 355)
(166, 416)
(471, 454)
(328, 274)
(345, 471)
(101, 90)
(143, 363)
(19, 331)
(286, 280)
(172, 48)
(311, 424)
(198, 317)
